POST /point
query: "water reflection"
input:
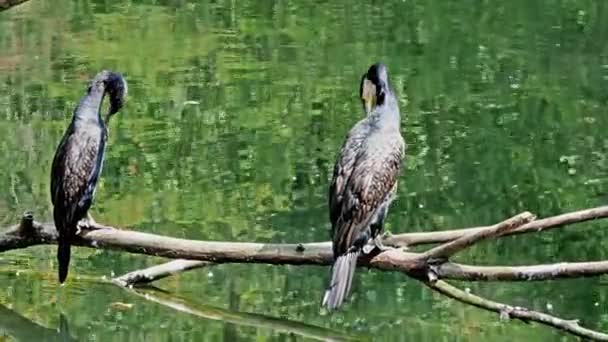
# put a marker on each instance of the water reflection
(22, 329)
(237, 111)
(234, 318)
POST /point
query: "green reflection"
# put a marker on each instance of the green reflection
(236, 112)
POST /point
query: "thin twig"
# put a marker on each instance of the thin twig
(507, 311)
(450, 248)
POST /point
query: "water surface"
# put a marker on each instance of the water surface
(235, 114)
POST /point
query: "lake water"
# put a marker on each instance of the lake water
(235, 115)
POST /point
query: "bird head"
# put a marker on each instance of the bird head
(374, 87)
(113, 84)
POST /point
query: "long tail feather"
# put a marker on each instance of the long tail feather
(63, 256)
(342, 274)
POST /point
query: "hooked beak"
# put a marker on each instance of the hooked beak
(368, 95)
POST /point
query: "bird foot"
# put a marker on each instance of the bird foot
(87, 222)
(90, 220)
(378, 243)
(368, 248)
(375, 243)
(81, 224)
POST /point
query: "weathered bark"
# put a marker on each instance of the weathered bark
(429, 266)
(157, 272)
(441, 236)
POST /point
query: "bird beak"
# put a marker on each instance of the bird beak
(368, 95)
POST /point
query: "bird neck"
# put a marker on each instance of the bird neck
(387, 116)
(89, 109)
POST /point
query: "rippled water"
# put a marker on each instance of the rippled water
(235, 114)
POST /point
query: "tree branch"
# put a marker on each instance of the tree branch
(298, 254)
(507, 311)
(441, 236)
(416, 265)
(450, 248)
(563, 270)
(150, 274)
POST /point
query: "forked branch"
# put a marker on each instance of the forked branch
(427, 266)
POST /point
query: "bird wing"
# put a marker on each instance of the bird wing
(343, 169)
(373, 176)
(75, 170)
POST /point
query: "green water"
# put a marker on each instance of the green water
(235, 114)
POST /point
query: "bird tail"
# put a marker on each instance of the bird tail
(63, 256)
(342, 274)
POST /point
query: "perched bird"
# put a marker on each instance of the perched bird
(364, 181)
(78, 160)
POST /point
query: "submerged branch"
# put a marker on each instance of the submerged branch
(507, 311)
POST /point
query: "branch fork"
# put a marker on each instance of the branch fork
(432, 267)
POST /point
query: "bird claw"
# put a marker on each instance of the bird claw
(79, 227)
(85, 223)
(375, 243)
(90, 220)
(368, 248)
(378, 243)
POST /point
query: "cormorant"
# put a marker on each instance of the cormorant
(364, 181)
(79, 158)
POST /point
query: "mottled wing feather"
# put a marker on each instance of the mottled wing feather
(57, 167)
(343, 169)
(75, 171)
(372, 179)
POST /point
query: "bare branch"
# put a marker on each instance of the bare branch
(297, 254)
(563, 270)
(507, 311)
(440, 236)
(450, 248)
(416, 265)
(157, 272)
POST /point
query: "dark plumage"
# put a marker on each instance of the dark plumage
(79, 158)
(364, 180)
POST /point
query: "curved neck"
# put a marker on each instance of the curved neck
(89, 108)
(387, 115)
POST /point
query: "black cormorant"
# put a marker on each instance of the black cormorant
(79, 158)
(364, 181)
